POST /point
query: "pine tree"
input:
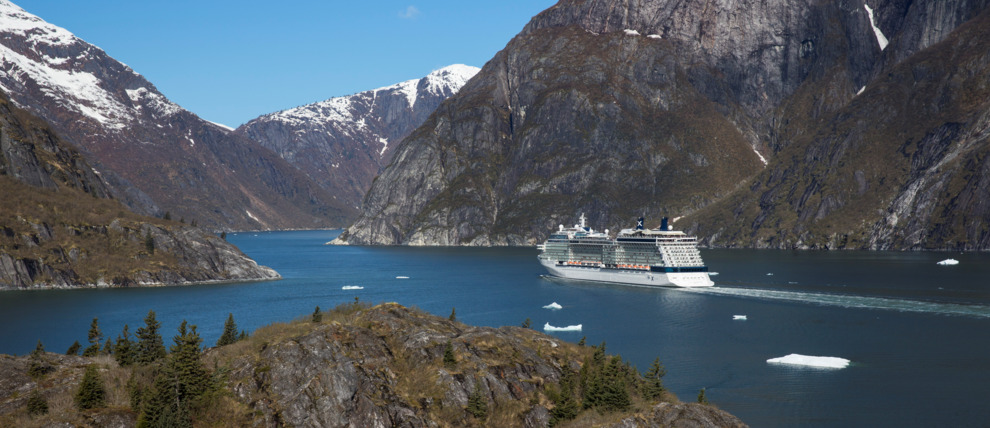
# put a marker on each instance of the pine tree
(73, 349)
(229, 331)
(95, 338)
(565, 406)
(36, 403)
(149, 242)
(124, 351)
(477, 403)
(38, 365)
(150, 346)
(182, 380)
(107, 347)
(91, 392)
(317, 315)
(653, 387)
(527, 323)
(449, 359)
(453, 314)
(243, 335)
(701, 397)
(582, 341)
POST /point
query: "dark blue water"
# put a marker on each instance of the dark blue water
(916, 333)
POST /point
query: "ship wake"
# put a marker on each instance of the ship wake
(851, 301)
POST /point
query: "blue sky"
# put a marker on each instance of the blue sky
(231, 61)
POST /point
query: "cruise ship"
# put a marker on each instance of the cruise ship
(658, 257)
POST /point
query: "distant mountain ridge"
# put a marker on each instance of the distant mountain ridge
(156, 156)
(623, 108)
(344, 142)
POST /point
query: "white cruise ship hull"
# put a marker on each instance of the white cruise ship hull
(629, 276)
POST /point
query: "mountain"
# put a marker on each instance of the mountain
(753, 123)
(344, 142)
(59, 228)
(156, 156)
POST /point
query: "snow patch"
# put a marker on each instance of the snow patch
(861, 90)
(806, 360)
(949, 262)
(762, 159)
(553, 306)
(630, 32)
(252, 216)
(384, 142)
(548, 327)
(881, 39)
(352, 287)
(654, 36)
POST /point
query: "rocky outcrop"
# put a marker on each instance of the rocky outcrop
(382, 367)
(58, 228)
(157, 157)
(733, 115)
(344, 142)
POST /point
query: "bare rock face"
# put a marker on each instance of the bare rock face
(343, 143)
(743, 117)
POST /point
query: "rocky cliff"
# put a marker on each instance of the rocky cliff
(376, 367)
(344, 142)
(663, 107)
(156, 156)
(58, 228)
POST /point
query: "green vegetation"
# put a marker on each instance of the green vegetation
(92, 393)
(94, 337)
(36, 403)
(73, 349)
(150, 347)
(317, 315)
(229, 332)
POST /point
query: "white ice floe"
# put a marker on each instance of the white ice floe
(553, 305)
(352, 287)
(402, 277)
(739, 317)
(548, 327)
(769, 273)
(806, 360)
(949, 262)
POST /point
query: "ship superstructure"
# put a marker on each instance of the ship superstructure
(651, 257)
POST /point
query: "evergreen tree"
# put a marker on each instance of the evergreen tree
(229, 331)
(701, 397)
(527, 323)
(125, 351)
(73, 349)
(449, 359)
(453, 314)
(582, 341)
(653, 387)
(477, 403)
(168, 216)
(107, 347)
(182, 381)
(565, 405)
(149, 243)
(223, 235)
(91, 392)
(38, 365)
(150, 346)
(243, 335)
(317, 315)
(36, 403)
(95, 338)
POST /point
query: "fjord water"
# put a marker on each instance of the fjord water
(916, 333)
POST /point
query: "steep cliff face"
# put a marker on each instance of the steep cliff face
(343, 143)
(655, 107)
(157, 156)
(59, 229)
(901, 166)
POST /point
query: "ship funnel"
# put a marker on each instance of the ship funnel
(663, 224)
(639, 223)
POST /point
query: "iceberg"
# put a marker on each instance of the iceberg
(806, 360)
(739, 317)
(548, 327)
(352, 287)
(553, 306)
(402, 277)
(949, 262)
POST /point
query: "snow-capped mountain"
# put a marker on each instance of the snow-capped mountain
(344, 142)
(157, 156)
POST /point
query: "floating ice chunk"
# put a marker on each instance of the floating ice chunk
(548, 327)
(769, 273)
(553, 305)
(712, 273)
(402, 277)
(739, 317)
(949, 262)
(352, 287)
(805, 360)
